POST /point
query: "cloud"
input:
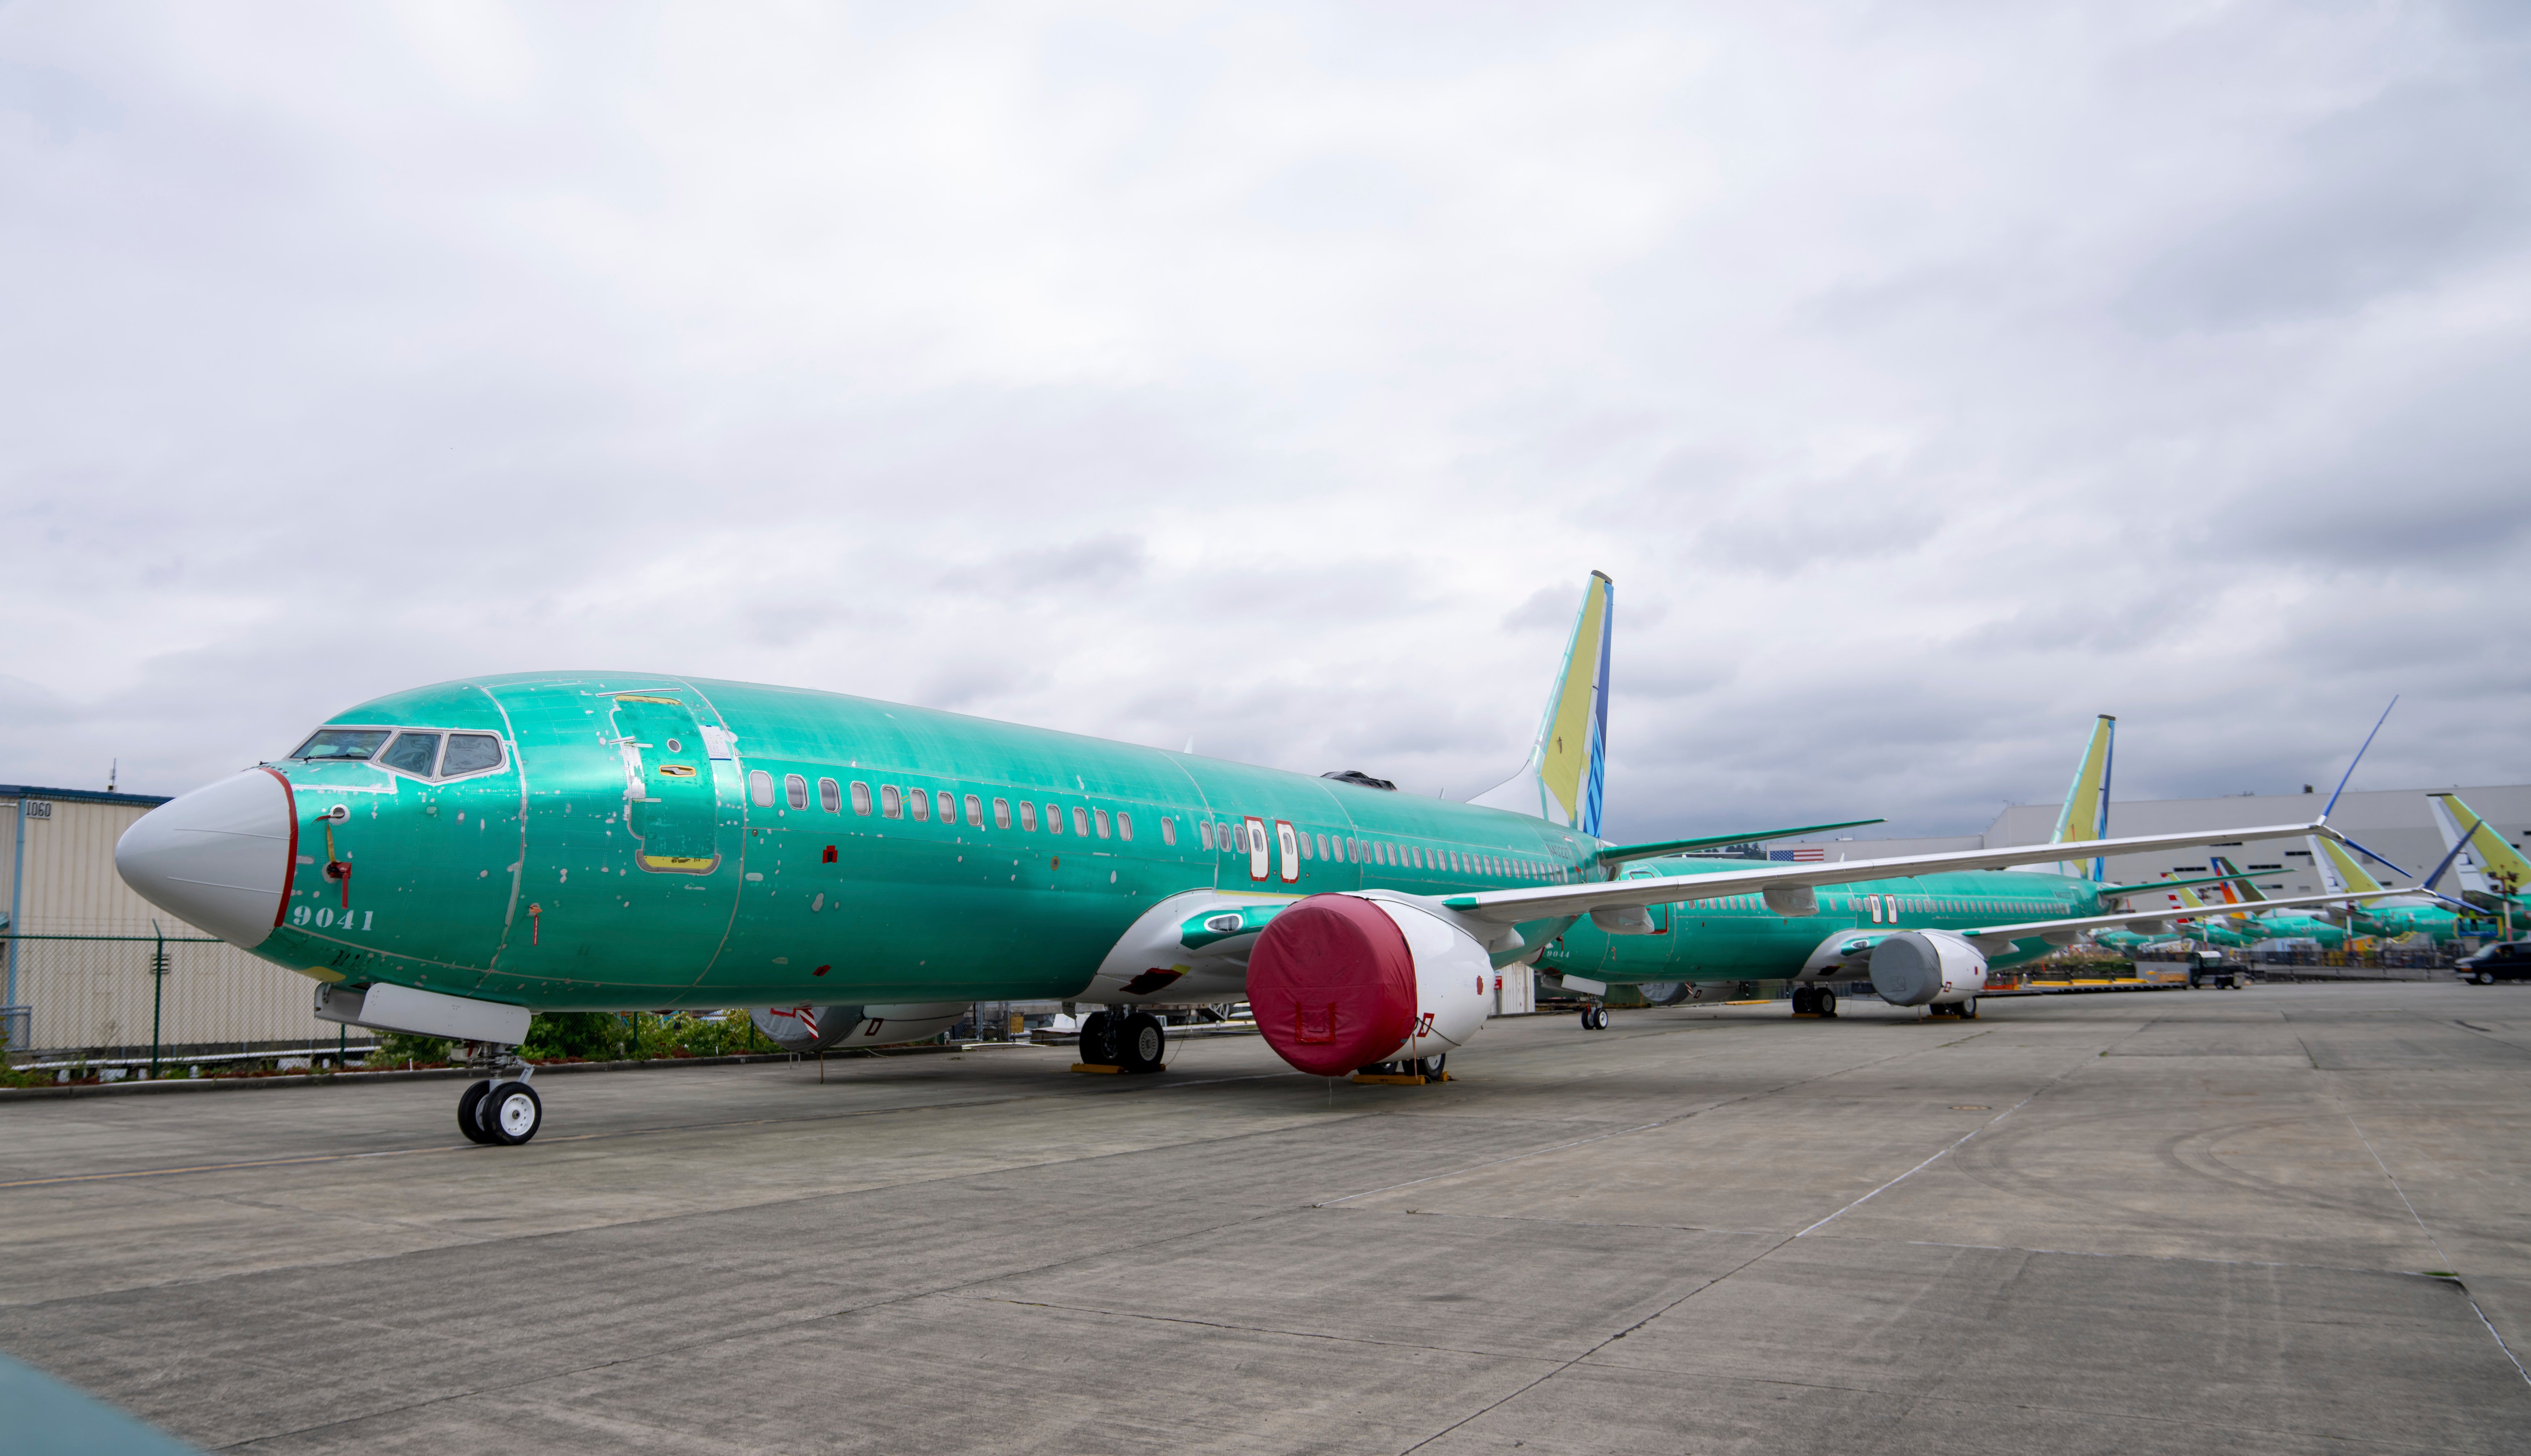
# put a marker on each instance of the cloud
(1927, 384)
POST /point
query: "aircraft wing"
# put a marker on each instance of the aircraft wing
(1788, 886)
(2001, 937)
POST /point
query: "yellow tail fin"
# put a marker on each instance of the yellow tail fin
(1562, 780)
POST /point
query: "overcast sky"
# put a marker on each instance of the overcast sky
(1928, 378)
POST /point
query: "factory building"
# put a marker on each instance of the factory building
(92, 968)
(2391, 822)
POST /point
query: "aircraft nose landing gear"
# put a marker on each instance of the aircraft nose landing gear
(1595, 1017)
(501, 1110)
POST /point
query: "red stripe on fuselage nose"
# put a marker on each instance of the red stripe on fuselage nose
(289, 865)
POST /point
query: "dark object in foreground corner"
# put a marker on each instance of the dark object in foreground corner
(46, 1415)
(2505, 960)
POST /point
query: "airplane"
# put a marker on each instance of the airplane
(1998, 918)
(694, 843)
(2412, 914)
(2487, 863)
(2221, 925)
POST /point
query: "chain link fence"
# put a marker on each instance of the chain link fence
(139, 999)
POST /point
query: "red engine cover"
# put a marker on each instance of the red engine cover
(1332, 984)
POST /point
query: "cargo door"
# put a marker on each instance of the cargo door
(667, 784)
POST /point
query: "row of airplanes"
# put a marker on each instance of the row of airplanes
(451, 859)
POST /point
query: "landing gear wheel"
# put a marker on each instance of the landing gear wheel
(1595, 1017)
(1099, 1039)
(469, 1106)
(1143, 1043)
(1966, 1010)
(512, 1113)
(1429, 1068)
(1804, 998)
(1824, 1001)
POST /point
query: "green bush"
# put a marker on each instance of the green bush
(395, 1049)
(596, 1035)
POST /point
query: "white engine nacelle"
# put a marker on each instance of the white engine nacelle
(1343, 981)
(1927, 968)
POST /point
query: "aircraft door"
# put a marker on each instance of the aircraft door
(668, 794)
(1260, 856)
(1289, 842)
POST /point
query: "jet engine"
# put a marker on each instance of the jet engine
(1342, 981)
(807, 1030)
(1668, 993)
(1927, 968)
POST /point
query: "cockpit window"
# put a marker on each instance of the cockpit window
(470, 751)
(342, 742)
(414, 753)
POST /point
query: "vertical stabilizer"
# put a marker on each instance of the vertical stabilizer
(2487, 853)
(2340, 874)
(2086, 815)
(2237, 891)
(1561, 781)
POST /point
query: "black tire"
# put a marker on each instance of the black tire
(1802, 998)
(1599, 1018)
(1144, 1044)
(512, 1113)
(1585, 1017)
(1824, 1000)
(2487, 978)
(1429, 1068)
(1099, 1039)
(1966, 1010)
(469, 1108)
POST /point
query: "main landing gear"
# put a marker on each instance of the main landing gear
(1964, 1010)
(501, 1110)
(1815, 1000)
(1595, 1017)
(1130, 1041)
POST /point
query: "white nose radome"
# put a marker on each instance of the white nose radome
(217, 858)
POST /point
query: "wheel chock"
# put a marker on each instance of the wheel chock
(1386, 1079)
(1096, 1068)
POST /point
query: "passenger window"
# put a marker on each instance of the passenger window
(1027, 817)
(975, 812)
(1002, 813)
(1054, 819)
(760, 788)
(948, 807)
(795, 790)
(861, 798)
(342, 742)
(469, 753)
(414, 753)
(1168, 830)
(1322, 846)
(891, 801)
(831, 798)
(1081, 819)
(920, 803)
(1124, 826)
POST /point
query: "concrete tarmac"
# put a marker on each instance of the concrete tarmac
(2284, 1220)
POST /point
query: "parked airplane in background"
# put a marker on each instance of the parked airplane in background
(1889, 931)
(2484, 860)
(2411, 914)
(449, 860)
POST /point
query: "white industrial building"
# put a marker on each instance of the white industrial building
(2391, 822)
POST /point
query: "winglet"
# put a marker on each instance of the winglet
(1561, 782)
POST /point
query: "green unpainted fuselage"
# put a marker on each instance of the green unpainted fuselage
(622, 857)
(1738, 938)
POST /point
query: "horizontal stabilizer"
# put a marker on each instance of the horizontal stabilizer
(1620, 853)
(2114, 892)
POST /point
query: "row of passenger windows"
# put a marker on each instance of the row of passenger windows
(1250, 839)
(923, 804)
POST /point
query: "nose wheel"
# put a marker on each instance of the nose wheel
(501, 1110)
(1595, 1017)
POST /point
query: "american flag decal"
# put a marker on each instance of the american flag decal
(1798, 856)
